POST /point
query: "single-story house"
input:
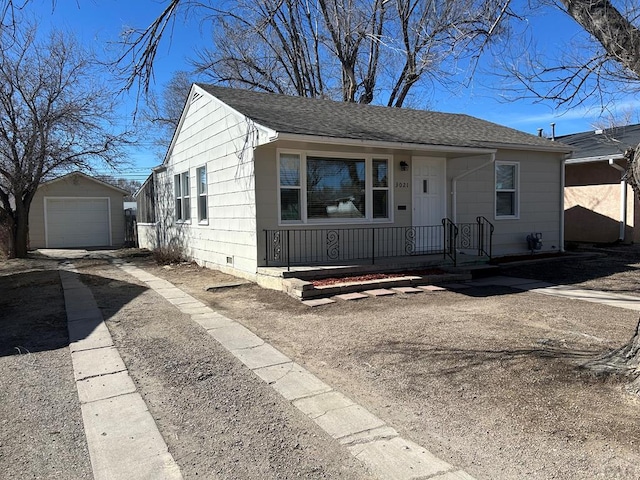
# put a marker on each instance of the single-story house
(255, 179)
(76, 210)
(600, 207)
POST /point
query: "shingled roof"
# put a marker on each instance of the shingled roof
(327, 118)
(611, 142)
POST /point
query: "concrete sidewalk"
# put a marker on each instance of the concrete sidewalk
(123, 439)
(629, 302)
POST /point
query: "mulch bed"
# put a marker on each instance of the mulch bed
(322, 282)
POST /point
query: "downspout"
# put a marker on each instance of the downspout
(623, 199)
(454, 186)
(562, 189)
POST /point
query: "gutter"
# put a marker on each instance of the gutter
(454, 186)
(600, 158)
(623, 198)
(380, 144)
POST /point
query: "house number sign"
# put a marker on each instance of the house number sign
(402, 184)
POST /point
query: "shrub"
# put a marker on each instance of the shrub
(168, 255)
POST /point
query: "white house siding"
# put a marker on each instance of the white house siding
(539, 199)
(539, 193)
(214, 135)
(267, 184)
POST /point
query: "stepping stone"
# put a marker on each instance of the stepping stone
(379, 292)
(407, 290)
(457, 286)
(431, 288)
(316, 302)
(351, 296)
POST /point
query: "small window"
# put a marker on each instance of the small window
(290, 189)
(506, 189)
(201, 175)
(380, 188)
(182, 201)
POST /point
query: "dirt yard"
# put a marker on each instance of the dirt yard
(486, 378)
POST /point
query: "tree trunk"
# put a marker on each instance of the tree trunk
(619, 37)
(623, 361)
(19, 230)
(626, 359)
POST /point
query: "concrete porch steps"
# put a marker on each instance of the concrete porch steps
(305, 289)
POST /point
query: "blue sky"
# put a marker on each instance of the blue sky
(99, 22)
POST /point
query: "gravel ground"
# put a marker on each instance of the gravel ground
(41, 431)
(218, 419)
(486, 378)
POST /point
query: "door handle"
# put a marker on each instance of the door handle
(425, 186)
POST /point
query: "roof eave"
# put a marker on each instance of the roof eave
(599, 158)
(88, 177)
(471, 150)
(536, 148)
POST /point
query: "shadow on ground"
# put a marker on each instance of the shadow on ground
(619, 261)
(32, 310)
(447, 361)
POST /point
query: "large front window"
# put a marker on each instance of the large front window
(506, 190)
(333, 188)
(336, 188)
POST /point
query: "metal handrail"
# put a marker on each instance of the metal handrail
(450, 240)
(485, 236)
(323, 246)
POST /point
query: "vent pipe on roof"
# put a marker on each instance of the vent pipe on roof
(553, 131)
(540, 132)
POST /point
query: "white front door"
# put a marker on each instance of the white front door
(429, 206)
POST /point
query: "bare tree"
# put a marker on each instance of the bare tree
(377, 50)
(353, 50)
(602, 64)
(162, 112)
(54, 117)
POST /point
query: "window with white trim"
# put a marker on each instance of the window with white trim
(380, 185)
(182, 200)
(326, 188)
(290, 187)
(507, 183)
(201, 178)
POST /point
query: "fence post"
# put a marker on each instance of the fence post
(373, 246)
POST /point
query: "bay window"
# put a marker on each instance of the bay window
(333, 188)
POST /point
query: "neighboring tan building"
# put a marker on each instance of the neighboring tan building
(600, 207)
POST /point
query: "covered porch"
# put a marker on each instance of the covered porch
(326, 251)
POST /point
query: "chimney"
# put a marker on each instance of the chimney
(553, 131)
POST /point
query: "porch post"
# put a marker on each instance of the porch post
(288, 252)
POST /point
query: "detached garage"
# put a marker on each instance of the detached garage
(77, 210)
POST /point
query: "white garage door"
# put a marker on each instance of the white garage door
(77, 222)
